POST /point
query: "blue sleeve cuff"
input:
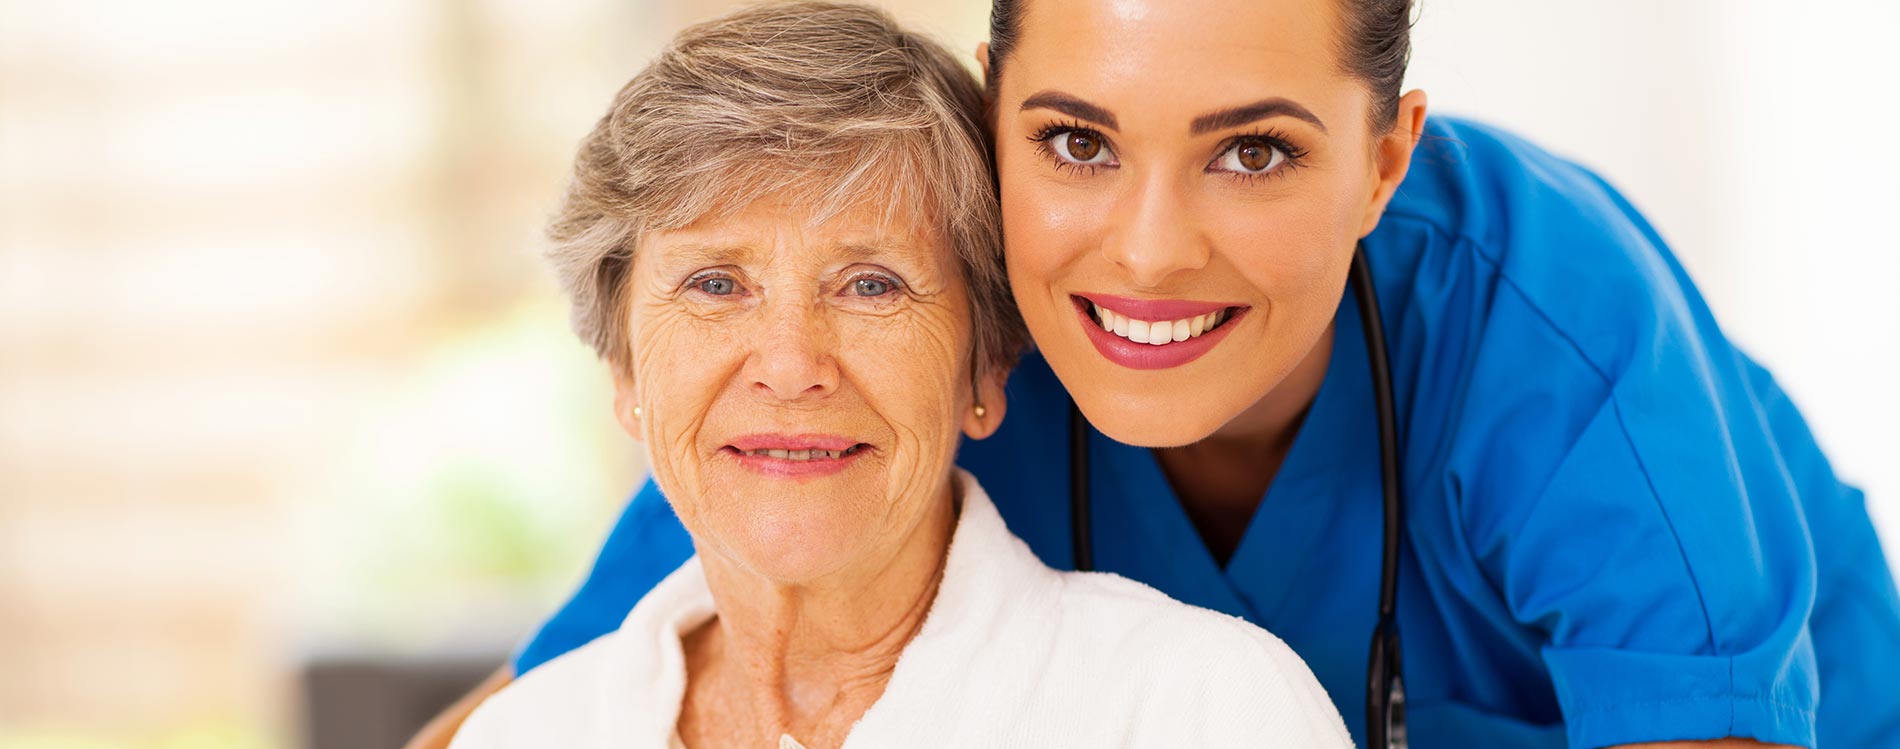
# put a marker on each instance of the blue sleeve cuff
(1613, 697)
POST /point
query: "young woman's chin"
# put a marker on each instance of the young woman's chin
(1152, 421)
(1162, 406)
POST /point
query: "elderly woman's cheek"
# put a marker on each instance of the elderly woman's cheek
(912, 368)
(678, 358)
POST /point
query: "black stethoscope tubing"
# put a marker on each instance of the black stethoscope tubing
(1385, 687)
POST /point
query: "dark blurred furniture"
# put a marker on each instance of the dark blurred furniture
(378, 702)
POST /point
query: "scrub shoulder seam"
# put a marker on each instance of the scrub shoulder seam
(1610, 398)
(1497, 267)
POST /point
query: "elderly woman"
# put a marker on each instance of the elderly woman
(783, 239)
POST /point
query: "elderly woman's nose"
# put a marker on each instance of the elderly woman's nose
(1151, 235)
(794, 355)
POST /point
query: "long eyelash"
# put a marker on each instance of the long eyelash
(1041, 141)
(1295, 156)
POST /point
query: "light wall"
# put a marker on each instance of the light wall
(280, 373)
(1754, 135)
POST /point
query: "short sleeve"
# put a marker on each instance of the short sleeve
(647, 544)
(1668, 561)
(1612, 472)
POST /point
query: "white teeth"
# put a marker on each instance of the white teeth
(1157, 333)
(798, 454)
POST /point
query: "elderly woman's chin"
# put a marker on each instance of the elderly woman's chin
(796, 530)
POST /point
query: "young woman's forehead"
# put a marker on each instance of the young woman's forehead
(1189, 49)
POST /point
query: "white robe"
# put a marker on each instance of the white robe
(1012, 654)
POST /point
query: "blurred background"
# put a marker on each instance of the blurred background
(294, 440)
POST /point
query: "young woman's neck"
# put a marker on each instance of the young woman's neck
(809, 659)
(1222, 479)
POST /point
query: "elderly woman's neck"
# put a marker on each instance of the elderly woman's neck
(808, 659)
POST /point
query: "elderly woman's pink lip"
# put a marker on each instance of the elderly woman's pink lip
(789, 468)
(751, 442)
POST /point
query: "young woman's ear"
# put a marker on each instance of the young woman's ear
(986, 411)
(1392, 157)
(989, 90)
(627, 409)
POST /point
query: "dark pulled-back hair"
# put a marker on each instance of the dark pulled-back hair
(1374, 44)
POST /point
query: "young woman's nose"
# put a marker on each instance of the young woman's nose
(1151, 234)
(793, 354)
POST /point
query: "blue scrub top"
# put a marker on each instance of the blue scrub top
(1619, 529)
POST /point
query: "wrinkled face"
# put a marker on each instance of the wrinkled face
(1183, 184)
(801, 385)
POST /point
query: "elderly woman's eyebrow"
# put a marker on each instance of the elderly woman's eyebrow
(873, 249)
(709, 253)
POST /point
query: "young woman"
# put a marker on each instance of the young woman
(1619, 531)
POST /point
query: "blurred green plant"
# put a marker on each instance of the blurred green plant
(475, 494)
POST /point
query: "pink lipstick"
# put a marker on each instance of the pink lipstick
(1155, 334)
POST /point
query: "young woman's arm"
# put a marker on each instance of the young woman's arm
(438, 733)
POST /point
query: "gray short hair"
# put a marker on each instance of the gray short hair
(833, 100)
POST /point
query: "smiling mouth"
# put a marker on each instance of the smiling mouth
(1155, 334)
(1159, 332)
(799, 456)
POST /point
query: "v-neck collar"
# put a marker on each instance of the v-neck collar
(1292, 518)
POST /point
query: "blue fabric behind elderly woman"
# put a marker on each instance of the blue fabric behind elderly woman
(1613, 512)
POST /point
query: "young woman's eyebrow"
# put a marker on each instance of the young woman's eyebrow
(1259, 110)
(1070, 105)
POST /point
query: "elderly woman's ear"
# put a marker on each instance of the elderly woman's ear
(986, 411)
(627, 409)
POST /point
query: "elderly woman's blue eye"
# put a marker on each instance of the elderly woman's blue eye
(718, 286)
(872, 287)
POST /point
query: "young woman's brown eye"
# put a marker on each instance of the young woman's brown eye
(1080, 147)
(1251, 156)
(1083, 147)
(1255, 156)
